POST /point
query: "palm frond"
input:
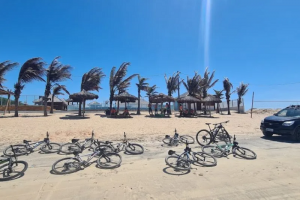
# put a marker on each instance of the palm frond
(5, 67)
(57, 90)
(242, 89)
(32, 69)
(92, 79)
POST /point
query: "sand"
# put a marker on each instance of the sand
(273, 175)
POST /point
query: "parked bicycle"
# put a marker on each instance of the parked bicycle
(224, 150)
(75, 145)
(106, 160)
(131, 148)
(184, 160)
(205, 137)
(176, 139)
(28, 147)
(10, 169)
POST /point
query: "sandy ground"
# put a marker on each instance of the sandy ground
(273, 175)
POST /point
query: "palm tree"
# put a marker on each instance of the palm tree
(116, 82)
(32, 69)
(91, 81)
(241, 91)
(227, 87)
(207, 81)
(141, 85)
(57, 90)
(219, 94)
(172, 84)
(55, 73)
(150, 91)
(5, 67)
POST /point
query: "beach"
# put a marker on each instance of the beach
(273, 175)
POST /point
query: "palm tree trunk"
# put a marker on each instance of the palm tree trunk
(79, 112)
(170, 108)
(204, 95)
(139, 102)
(239, 102)
(119, 106)
(228, 106)
(83, 107)
(218, 109)
(110, 101)
(52, 104)
(16, 106)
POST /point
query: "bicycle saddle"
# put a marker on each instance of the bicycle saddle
(171, 152)
(108, 142)
(167, 136)
(26, 141)
(75, 140)
(207, 123)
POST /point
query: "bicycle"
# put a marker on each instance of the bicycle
(106, 160)
(27, 147)
(224, 150)
(205, 137)
(75, 145)
(10, 169)
(184, 160)
(174, 141)
(131, 148)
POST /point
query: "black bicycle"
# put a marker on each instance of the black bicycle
(131, 148)
(184, 160)
(176, 139)
(224, 150)
(28, 147)
(75, 145)
(205, 137)
(10, 169)
(106, 160)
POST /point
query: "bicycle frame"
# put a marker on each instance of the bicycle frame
(35, 145)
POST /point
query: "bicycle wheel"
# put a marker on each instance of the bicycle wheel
(223, 136)
(187, 138)
(244, 153)
(66, 166)
(88, 143)
(50, 148)
(134, 149)
(212, 150)
(178, 163)
(17, 169)
(69, 148)
(205, 159)
(19, 150)
(109, 160)
(203, 137)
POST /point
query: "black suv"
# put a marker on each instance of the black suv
(285, 122)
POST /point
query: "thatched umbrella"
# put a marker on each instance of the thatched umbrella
(211, 99)
(82, 97)
(188, 99)
(125, 97)
(161, 98)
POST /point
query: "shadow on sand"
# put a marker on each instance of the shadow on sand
(174, 172)
(280, 138)
(25, 116)
(74, 117)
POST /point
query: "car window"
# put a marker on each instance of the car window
(289, 113)
(282, 113)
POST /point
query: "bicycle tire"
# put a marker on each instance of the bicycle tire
(205, 159)
(203, 137)
(106, 160)
(73, 163)
(133, 149)
(225, 138)
(55, 147)
(212, 150)
(240, 151)
(178, 163)
(69, 148)
(187, 138)
(19, 149)
(19, 173)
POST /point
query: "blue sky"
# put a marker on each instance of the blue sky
(250, 41)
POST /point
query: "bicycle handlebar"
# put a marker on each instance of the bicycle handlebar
(47, 134)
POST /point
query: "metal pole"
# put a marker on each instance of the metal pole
(252, 103)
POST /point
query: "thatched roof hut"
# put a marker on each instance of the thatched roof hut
(125, 97)
(188, 99)
(161, 98)
(211, 99)
(83, 95)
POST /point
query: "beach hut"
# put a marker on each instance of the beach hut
(8, 93)
(189, 100)
(125, 97)
(81, 97)
(161, 98)
(58, 104)
(211, 100)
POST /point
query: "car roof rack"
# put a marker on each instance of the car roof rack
(294, 106)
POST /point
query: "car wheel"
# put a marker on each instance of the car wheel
(296, 134)
(267, 134)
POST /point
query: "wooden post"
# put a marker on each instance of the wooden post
(252, 103)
